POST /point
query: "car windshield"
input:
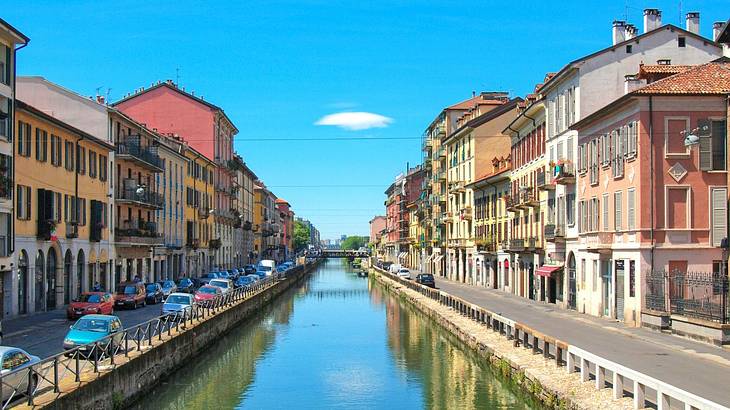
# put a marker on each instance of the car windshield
(90, 298)
(184, 282)
(127, 290)
(151, 287)
(265, 268)
(210, 275)
(92, 325)
(427, 277)
(183, 300)
(219, 283)
(168, 284)
(210, 291)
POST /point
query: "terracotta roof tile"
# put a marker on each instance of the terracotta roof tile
(662, 69)
(710, 78)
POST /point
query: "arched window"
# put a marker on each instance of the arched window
(67, 266)
(23, 283)
(38, 275)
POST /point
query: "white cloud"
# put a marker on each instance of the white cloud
(355, 121)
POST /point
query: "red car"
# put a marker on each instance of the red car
(206, 293)
(101, 303)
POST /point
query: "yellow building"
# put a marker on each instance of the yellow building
(199, 194)
(266, 227)
(416, 236)
(62, 239)
(527, 200)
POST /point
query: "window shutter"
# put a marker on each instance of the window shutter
(605, 212)
(617, 207)
(719, 215)
(705, 134)
(631, 213)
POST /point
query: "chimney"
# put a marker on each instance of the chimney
(693, 22)
(633, 82)
(630, 31)
(652, 19)
(619, 31)
(716, 29)
(100, 99)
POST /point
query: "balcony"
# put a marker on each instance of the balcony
(427, 144)
(214, 244)
(544, 181)
(192, 243)
(510, 203)
(457, 186)
(528, 198)
(486, 245)
(466, 214)
(564, 173)
(144, 156)
(600, 241)
(247, 226)
(140, 196)
(516, 245)
(72, 230)
(532, 243)
(138, 232)
(173, 243)
(554, 233)
(203, 212)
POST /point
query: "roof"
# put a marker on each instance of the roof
(712, 78)
(15, 31)
(170, 85)
(645, 69)
(478, 99)
(492, 175)
(281, 201)
(506, 106)
(19, 104)
(567, 67)
(724, 36)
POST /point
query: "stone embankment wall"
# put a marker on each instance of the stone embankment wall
(129, 382)
(533, 373)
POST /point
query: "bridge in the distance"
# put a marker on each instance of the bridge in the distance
(342, 253)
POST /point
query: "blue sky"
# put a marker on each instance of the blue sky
(279, 67)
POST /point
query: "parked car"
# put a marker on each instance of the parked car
(426, 279)
(281, 268)
(154, 293)
(185, 285)
(206, 293)
(262, 273)
(249, 269)
(168, 287)
(130, 294)
(394, 268)
(255, 277)
(244, 281)
(267, 265)
(178, 303)
(16, 365)
(226, 285)
(93, 328)
(90, 303)
(386, 266)
(223, 274)
(404, 273)
(232, 274)
(208, 277)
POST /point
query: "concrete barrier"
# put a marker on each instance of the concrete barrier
(129, 381)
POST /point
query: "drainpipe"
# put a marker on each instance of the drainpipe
(651, 180)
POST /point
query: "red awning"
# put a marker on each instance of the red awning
(546, 270)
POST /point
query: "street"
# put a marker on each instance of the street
(42, 334)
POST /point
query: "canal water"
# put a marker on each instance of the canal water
(337, 342)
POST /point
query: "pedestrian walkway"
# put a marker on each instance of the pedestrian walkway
(692, 366)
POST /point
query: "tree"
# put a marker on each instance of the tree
(354, 242)
(301, 236)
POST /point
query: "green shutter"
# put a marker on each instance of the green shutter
(719, 215)
(705, 134)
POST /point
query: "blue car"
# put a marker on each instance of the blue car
(262, 273)
(223, 275)
(243, 281)
(93, 328)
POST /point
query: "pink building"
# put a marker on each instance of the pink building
(171, 110)
(651, 206)
(377, 225)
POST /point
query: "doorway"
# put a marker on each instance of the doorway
(619, 270)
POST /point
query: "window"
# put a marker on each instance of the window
(92, 164)
(629, 49)
(82, 211)
(631, 209)
(41, 145)
(4, 116)
(605, 212)
(23, 202)
(681, 41)
(633, 139)
(5, 68)
(719, 215)
(617, 207)
(674, 132)
(81, 160)
(595, 275)
(617, 150)
(570, 208)
(594, 215)
(24, 131)
(582, 273)
(712, 145)
(102, 167)
(69, 155)
(55, 150)
(676, 216)
(594, 161)
(57, 206)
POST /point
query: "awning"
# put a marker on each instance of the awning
(438, 258)
(428, 258)
(402, 255)
(547, 270)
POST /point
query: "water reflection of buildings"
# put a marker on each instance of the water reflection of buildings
(451, 377)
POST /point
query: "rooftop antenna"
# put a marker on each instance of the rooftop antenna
(108, 93)
(99, 89)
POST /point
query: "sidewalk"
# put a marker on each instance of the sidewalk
(695, 367)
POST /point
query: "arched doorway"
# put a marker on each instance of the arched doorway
(23, 283)
(572, 292)
(80, 268)
(38, 274)
(67, 266)
(51, 279)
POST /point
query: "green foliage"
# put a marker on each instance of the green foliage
(301, 236)
(354, 242)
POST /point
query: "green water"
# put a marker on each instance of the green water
(337, 342)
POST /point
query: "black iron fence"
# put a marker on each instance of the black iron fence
(65, 371)
(701, 295)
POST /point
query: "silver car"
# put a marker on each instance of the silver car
(16, 363)
(178, 303)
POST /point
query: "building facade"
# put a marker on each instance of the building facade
(199, 194)
(266, 223)
(169, 259)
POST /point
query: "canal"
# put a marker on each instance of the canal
(337, 341)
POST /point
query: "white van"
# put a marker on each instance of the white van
(394, 268)
(267, 265)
